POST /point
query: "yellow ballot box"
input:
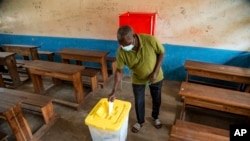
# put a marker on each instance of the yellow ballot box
(106, 125)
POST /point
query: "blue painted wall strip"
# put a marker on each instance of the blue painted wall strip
(172, 64)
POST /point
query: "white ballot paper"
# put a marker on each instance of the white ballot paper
(111, 104)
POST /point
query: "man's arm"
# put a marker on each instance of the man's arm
(117, 80)
(158, 64)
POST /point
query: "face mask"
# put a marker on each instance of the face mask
(128, 47)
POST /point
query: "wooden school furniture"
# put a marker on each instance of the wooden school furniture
(48, 54)
(189, 131)
(92, 75)
(34, 103)
(11, 111)
(58, 71)
(112, 60)
(216, 71)
(214, 98)
(8, 59)
(2, 84)
(25, 50)
(80, 55)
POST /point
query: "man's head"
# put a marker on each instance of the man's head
(125, 36)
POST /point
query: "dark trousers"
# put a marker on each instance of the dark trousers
(139, 96)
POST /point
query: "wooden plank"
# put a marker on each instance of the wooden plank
(201, 128)
(217, 68)
(216, 95)
(197, 132)
(43, 67)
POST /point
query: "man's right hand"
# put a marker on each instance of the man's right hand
(111, 97)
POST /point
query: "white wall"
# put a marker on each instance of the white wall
(203, 23)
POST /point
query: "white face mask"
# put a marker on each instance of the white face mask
(128, 47)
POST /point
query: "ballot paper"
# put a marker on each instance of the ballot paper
(111, 105)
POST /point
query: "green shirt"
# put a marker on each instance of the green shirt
(141, 62)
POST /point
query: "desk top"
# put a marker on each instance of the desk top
(214, 94)
(21, 46)
(92, 53)
(6, 54)
(53, 67)
(7, 100)
(224, 69)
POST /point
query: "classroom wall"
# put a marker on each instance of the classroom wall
(209, 30)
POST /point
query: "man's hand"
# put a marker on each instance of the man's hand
(152, 77)
(111, 97)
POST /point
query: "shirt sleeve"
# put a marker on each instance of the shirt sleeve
(119, 60)
(159, 49)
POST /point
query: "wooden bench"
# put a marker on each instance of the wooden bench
(92, 74)
(217, 72)
(112, 60)
(3, 136)
(81, 55)
(189, 131)
(48, 54)
(38, 104)
(59, 72)
(12, 78)
(24, 50)
(34, 102)
(214, 98)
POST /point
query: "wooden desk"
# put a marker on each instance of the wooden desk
(11, 111)
(24, 50)
(80, 55)
(39, 68)
(31, 102)
(214, 98)
(8, 59)
(219, 72)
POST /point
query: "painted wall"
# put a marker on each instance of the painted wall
(206, 30)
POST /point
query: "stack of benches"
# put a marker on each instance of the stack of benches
(206, 95)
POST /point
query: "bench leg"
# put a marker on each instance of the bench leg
(94, 83)
(183, 111)
(11, 65)
(37, 83)
(47, 112)
(18, 124)
(2, 84)
(50, 57)
(187, 77)
(77, 82)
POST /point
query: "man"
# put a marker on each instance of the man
(143, 54)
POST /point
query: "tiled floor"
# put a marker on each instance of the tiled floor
(70, 125)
